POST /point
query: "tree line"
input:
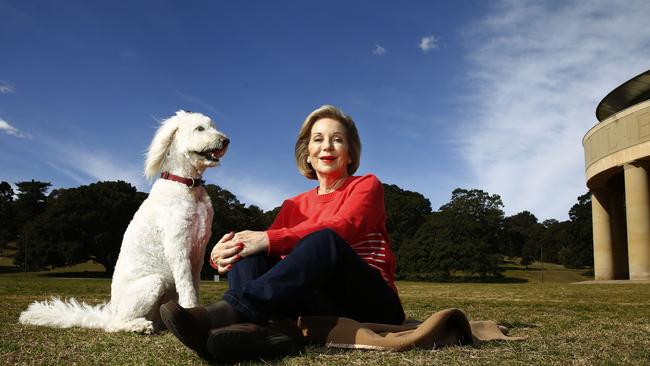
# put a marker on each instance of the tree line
(470, 235)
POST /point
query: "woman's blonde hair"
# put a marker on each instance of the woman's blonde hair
(351, 134)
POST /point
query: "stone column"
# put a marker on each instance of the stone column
(619, 234)
(637, 202)
(603, 245)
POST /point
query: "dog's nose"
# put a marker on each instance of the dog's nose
(225, 141)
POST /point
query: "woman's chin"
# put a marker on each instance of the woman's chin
(331, 173)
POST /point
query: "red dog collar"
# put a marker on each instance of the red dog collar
(190, 182)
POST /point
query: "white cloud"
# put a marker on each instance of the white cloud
(540, 70)
(6, 88)
(428, 43)
(379, 50)
(86, 166)
(7, 128)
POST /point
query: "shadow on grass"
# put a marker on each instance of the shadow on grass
(588, 273)
(515, 268)
(84, 274)
(490, 280)
(460, 279)
(10, 269)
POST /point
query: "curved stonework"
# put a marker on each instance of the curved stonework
(617, 167)
(621, 138)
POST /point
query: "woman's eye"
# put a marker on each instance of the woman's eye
(200, 128)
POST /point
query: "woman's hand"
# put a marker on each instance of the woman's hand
(225, 253)
(253, 242)
(234, 246)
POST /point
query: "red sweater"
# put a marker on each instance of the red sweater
(355, 211)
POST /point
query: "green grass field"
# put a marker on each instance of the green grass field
(564, 323)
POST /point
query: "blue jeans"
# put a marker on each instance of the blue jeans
(321, 276)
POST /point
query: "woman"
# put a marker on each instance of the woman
(326, 253)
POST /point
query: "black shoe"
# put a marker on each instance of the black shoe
(247, 341)
(190, 326)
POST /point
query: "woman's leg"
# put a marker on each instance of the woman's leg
(249, 268)
(191, 326)
(321, 276)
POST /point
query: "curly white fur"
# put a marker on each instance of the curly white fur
(162, 249)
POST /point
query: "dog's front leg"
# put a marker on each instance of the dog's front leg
(178, 255)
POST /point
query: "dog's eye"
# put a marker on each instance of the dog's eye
(200, 128)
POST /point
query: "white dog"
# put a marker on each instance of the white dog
(162, 250)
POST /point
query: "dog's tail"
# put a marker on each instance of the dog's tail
(70, 313)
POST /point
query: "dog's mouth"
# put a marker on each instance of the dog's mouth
(213, 155)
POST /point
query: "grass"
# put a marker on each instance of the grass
(596, 324)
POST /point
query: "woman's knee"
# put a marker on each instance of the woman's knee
(324, 243)
(322, 235)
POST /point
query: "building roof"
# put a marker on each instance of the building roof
(631, 92)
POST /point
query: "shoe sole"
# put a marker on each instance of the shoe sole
(229, 345)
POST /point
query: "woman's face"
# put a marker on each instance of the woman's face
(328, 149)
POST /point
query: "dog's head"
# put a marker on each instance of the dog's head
(186, 138)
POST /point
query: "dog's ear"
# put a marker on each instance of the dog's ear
(159, 147)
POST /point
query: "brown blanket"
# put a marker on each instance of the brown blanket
(445, 327)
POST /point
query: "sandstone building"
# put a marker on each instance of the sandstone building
(617, 162)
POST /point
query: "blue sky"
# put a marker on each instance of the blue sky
(495, 95)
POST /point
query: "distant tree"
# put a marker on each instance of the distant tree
(7, 216)
(547, 244)
(462, 236)
(405, 211)
(269, 216)
(81, 224)
(582, 233)
(565, 242)
(517, 230)
(30, 202)
(480, 212)
(431, 253)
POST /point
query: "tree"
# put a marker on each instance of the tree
(269, 216)
(582, 233)
(567, 242)
(517, 231)
(480, 212)
(405, 212)
(31, 201)
(81, 224)
(462, 236)
(547, 244)
(7, 218)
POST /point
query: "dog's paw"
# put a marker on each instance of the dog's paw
(142, 326)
